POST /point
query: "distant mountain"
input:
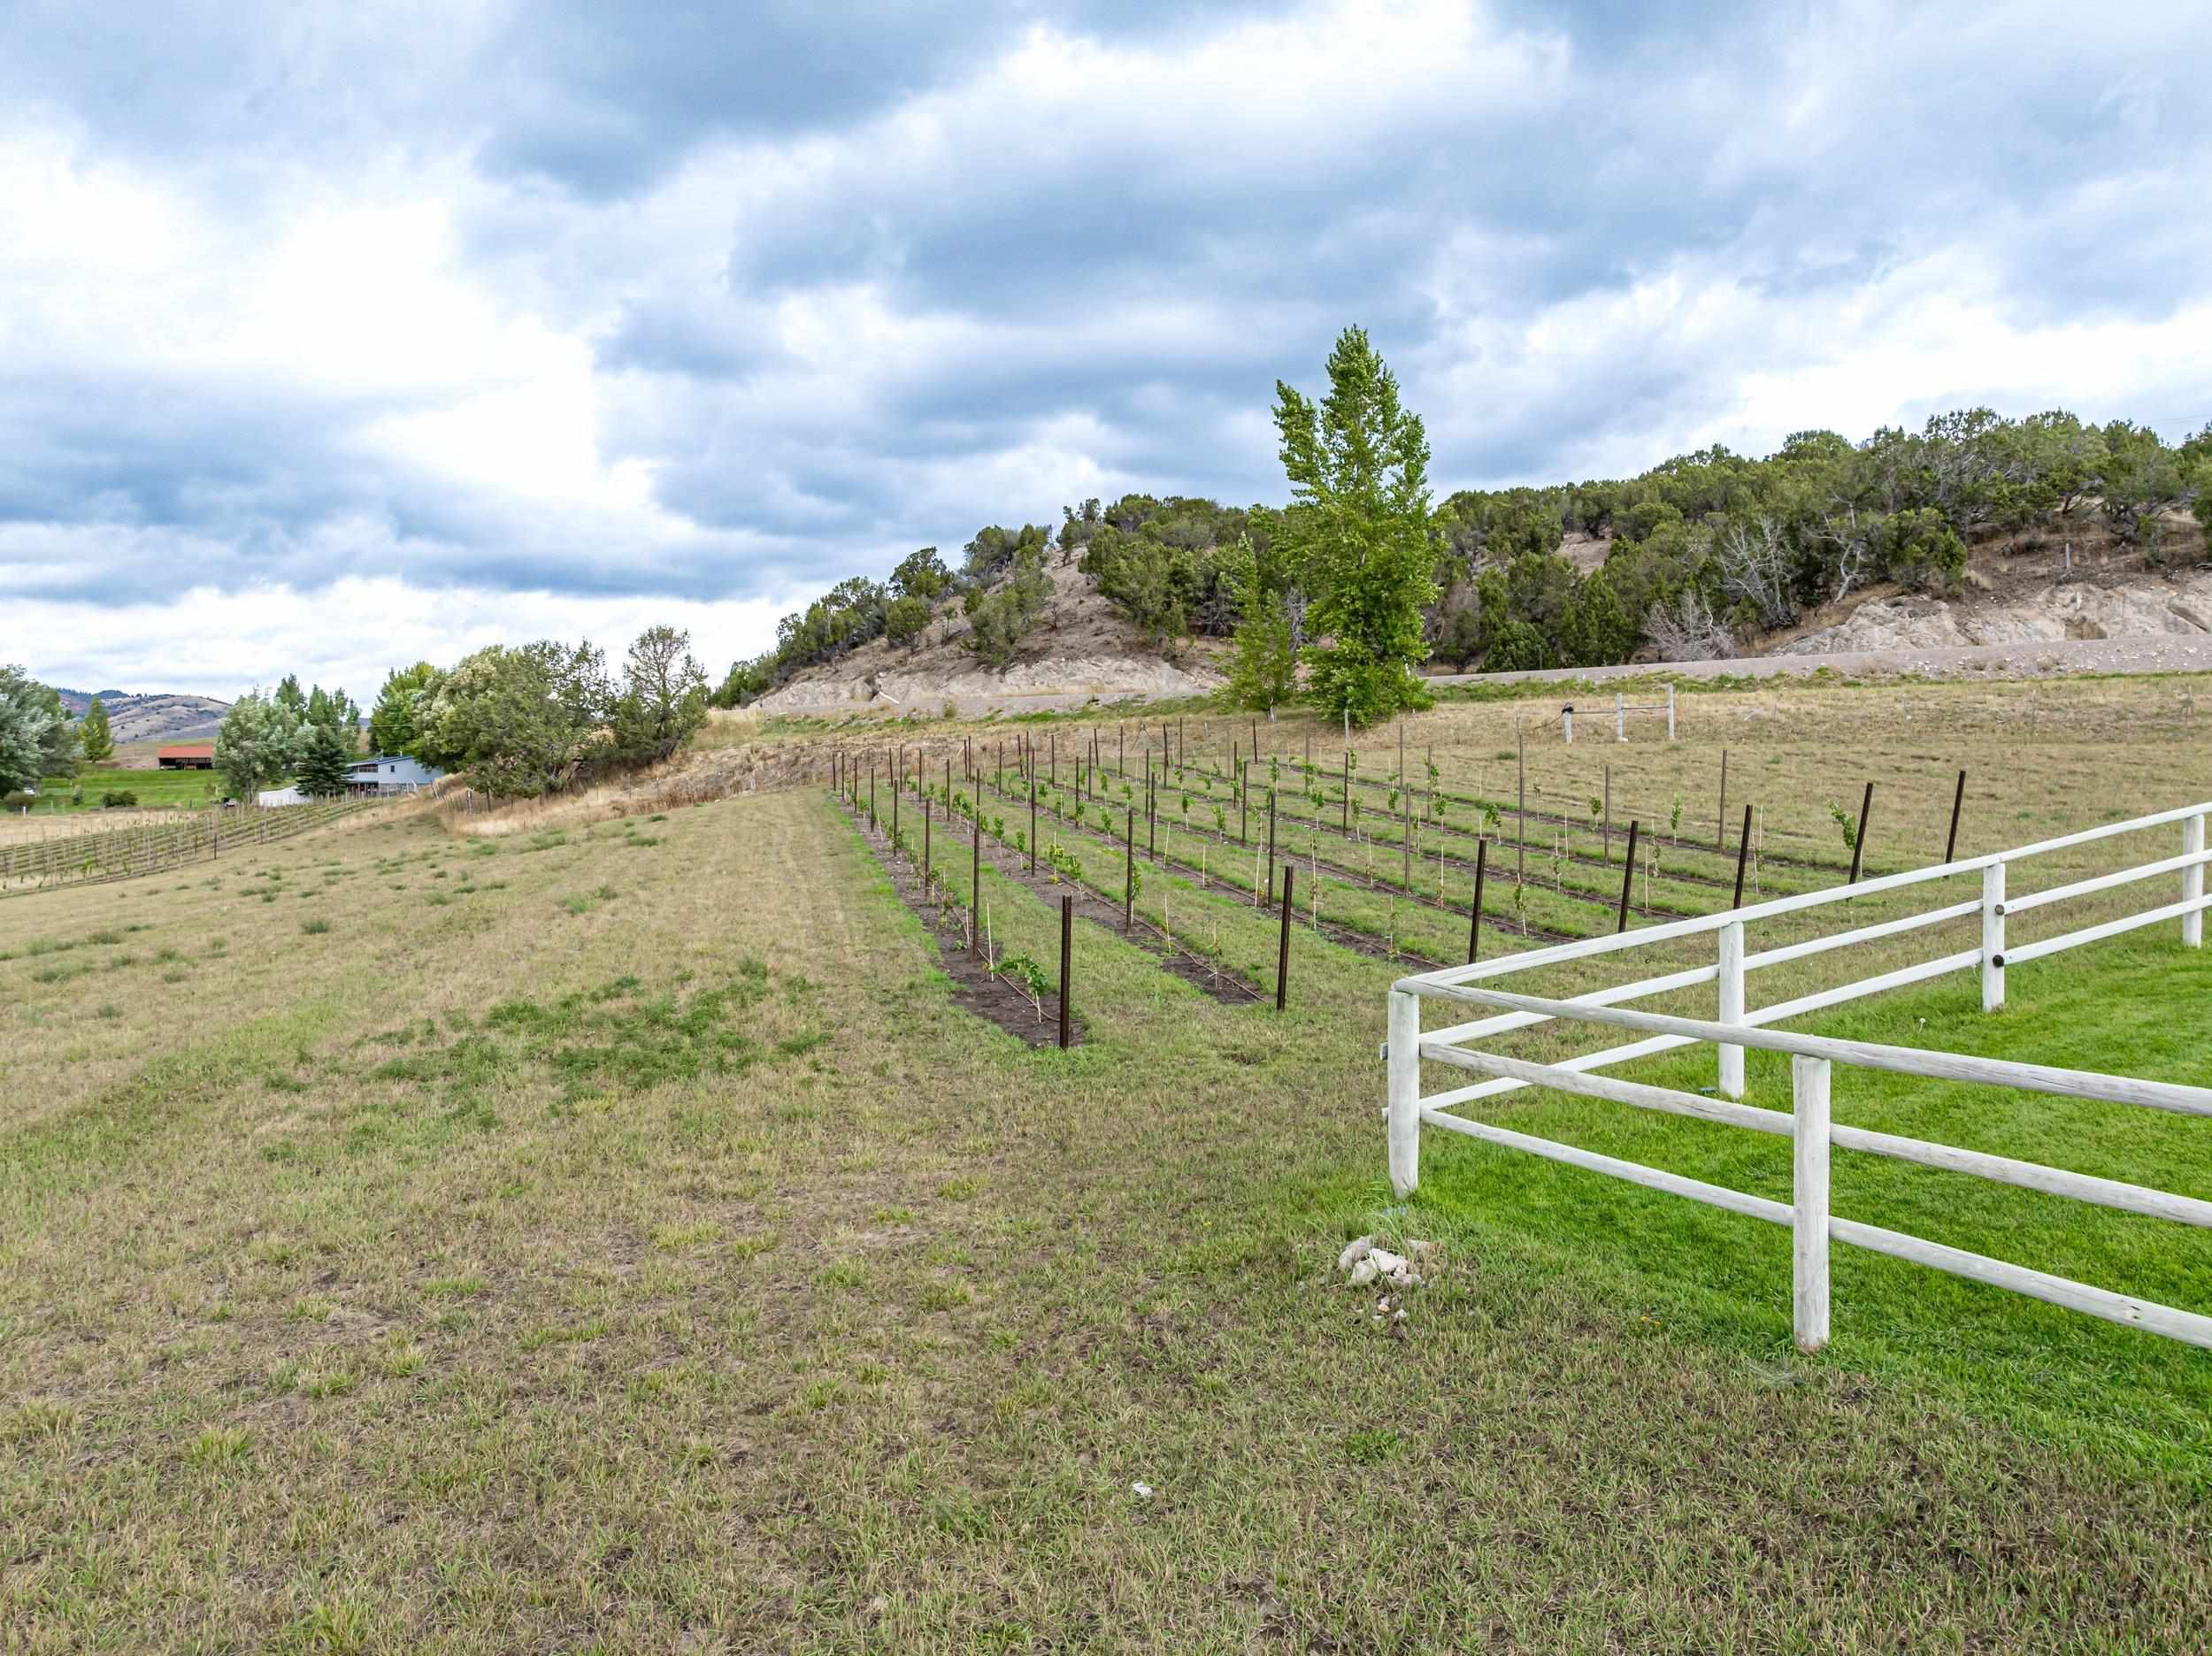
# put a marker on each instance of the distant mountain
(150, 717)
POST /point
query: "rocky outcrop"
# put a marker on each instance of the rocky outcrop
(2179, 607)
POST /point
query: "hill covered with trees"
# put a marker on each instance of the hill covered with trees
(1703, 555)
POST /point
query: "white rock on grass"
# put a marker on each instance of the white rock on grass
(1354, 1252)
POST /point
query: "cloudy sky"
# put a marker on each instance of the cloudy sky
(336, 336)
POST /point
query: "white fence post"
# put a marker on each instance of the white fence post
(1732, 1006)
(1405, 1090)
(1669, 710)
(1567, 716)
(2192, 881)
(1809, 1184)
(1620, 716)
(1993, 937)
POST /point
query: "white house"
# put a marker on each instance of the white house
(389, 773)
(280, 796)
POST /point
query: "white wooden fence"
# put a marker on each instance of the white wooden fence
(1740, 1025)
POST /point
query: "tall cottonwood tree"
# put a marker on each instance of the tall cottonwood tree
(1358, 529)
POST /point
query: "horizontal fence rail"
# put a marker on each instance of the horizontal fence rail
(1809, 1123)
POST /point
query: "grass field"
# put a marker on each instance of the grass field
(155, 789)
(613, 1236)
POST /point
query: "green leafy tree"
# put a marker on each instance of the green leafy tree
(324, 756)
(98, 740)
(1358, 527)
(520, 722)
(59, 747)
(999, 620)
(1148, 580)
(921, 575)
(906, 620)
(1459, 641)
(289, 695)
(335, 709)
(1264, 670)
(259, 741)
(747, 681)
(663, 698)
(391, 722)
(28, 714)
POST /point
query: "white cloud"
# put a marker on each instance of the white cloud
(321, 337)
(209, 642)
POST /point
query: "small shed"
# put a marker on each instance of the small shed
(185, 756)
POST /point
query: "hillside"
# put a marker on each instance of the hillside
(1082, 649)
(1975, 532)
(2084, 585)
(150, 717)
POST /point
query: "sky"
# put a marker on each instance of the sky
(336, 337)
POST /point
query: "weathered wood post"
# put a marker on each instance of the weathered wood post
(1520, 810)
(1808, 1187)
(1405, 873)
(1628, 876)
(1858, 838)
(1474, 911)
(1958, 800)
(1067, 961)
(1743, 855)
(1271, 842)
(1282, 949)
(1129, 873)
(975, 884)
(1032, 824)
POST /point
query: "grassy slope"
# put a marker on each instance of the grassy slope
(350, 1299)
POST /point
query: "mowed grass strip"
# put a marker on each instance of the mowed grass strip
(398, 1329)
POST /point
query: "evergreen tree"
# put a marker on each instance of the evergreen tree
(98, 740)
(324, 757)
(1358, 528)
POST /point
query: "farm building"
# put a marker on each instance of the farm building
(389, 773)
(186, 757)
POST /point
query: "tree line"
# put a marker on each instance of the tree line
(525, 720)
(1360, 577)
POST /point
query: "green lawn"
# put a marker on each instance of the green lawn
(1726, 1279)
(154, 788)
